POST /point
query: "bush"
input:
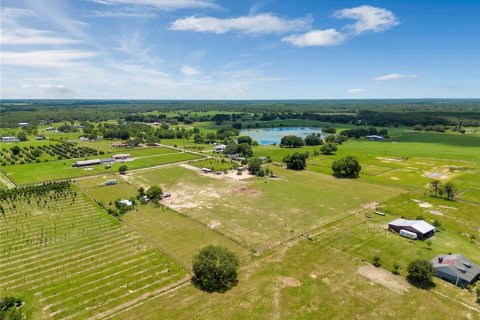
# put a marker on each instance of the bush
(215, 269)
(376, 261)
(396, 268)
(420, 273)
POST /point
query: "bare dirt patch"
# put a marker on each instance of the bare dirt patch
(245, 189)
(422, 204)
(290, 281)
(370, 205)
(385, 278)
(390, 159)
(232, 174)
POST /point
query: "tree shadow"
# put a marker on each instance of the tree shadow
(425, 285)
(214, 286)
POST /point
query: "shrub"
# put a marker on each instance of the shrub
(376, 261)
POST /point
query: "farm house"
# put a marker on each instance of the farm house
(456, 269)
(85, 163)
(219, 148)
(374, 138)
(422, 229)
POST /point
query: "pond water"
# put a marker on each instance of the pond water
(268, 136)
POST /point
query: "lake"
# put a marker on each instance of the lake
(268, 136)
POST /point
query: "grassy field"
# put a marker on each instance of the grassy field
(69, 260)
(306, 280)
(55, 170)
(259, 212)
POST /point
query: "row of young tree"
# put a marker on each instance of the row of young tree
(437, 188)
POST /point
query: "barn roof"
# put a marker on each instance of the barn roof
(418, 225)
(456, 264)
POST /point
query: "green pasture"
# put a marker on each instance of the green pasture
(177, 234)
(325, 284)
(258, 212)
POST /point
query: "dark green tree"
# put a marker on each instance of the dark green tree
(291, 141)
(376, 261)
(435, 186)
(328, 148)
(244, 139)
(297, 161)
(420, 273)
(254, 165)
(154, 193)
(347, 167)
(123, 169)
(313, 140)
(215, 269)
(22, 136)
(15, 150)
(449, 190)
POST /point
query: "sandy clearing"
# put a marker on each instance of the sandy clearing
(290, 281)
(422, 204)
(370, 205)
(384, 159)
(384, 278)
(232, 174)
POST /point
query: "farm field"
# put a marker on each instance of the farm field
(293, 203)
(55, 170)
(71, 260)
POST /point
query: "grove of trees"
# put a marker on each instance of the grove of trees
(291, 141)
(437, 188)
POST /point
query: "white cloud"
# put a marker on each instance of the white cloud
(368, 18)
(266, 23)
(28, 36)
(395, 76)
(163, 4)
(122, 13)
(328, 37)
(45, 58)
(48, 88)
(189, 71)
(13, 32)
(356, 90)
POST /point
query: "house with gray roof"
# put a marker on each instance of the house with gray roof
(456, 269)
(422, 229)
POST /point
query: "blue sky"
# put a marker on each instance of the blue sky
(267, 49)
